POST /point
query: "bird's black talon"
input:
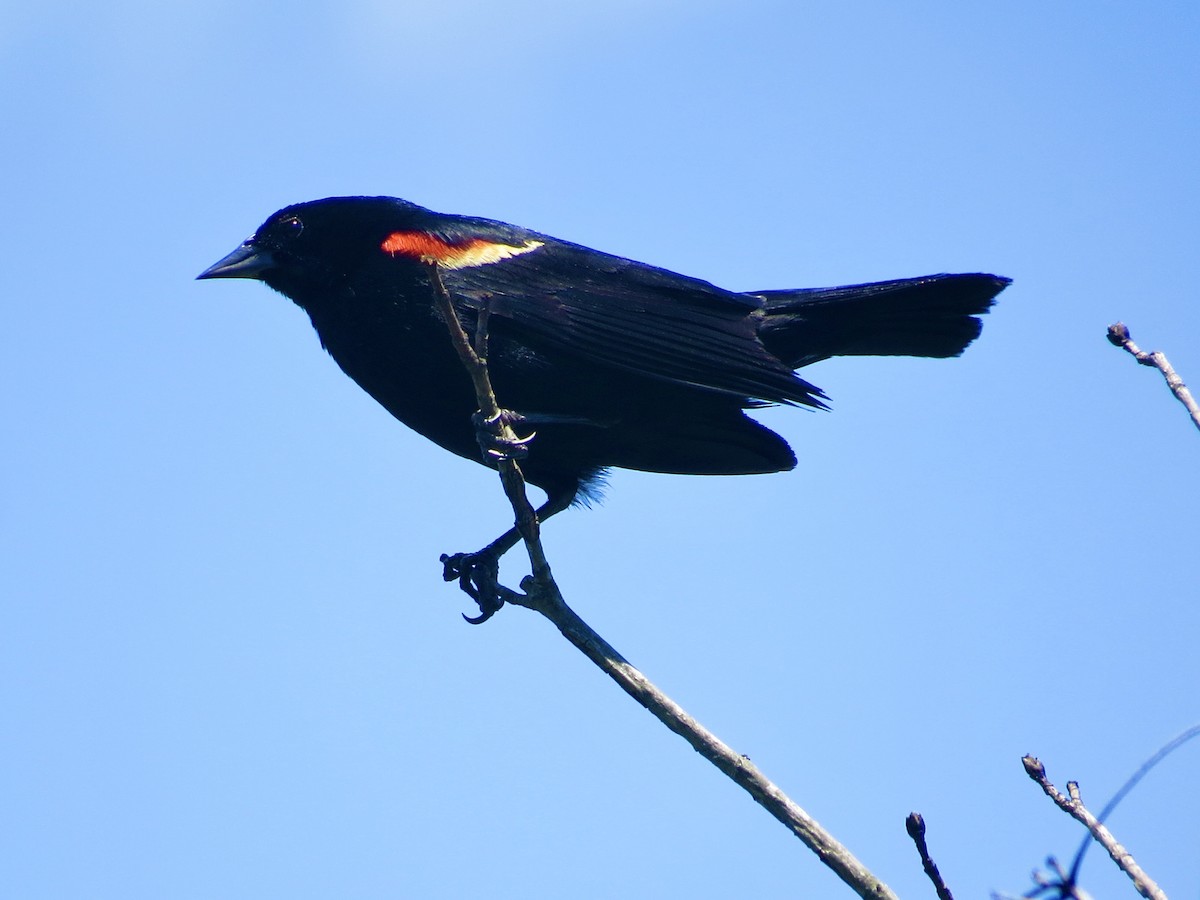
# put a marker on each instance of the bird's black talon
(490, 424)
(518, 449)
(477, 575)
(489, 433)
(486, 613)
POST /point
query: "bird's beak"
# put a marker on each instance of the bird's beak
(247, 261)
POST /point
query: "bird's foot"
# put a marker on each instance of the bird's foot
(489, 431)
(477, 574)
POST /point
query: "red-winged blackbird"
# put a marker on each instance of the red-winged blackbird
(612, 362)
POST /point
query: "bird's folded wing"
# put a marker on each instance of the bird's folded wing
(634, 317)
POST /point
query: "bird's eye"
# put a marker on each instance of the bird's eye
(291, 227)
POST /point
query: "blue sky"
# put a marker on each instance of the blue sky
(228, 666)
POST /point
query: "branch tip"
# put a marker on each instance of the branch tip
(914, 824)
(1034, 768)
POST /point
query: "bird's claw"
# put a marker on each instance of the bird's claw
(517, 449)
(478, 576)
(489, 431)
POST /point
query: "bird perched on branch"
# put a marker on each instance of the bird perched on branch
(613, 363)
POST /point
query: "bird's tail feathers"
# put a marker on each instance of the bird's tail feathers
(930, 316)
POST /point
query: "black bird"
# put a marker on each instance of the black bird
(614, 363)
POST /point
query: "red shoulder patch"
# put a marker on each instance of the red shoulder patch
(429, 248)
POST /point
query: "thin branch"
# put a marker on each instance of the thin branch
(1118, 336)
(510, 472)
(543, 596)
(915, 824)
(1073, 806)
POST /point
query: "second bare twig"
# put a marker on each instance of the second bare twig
(1118, 336)
(1073, 806)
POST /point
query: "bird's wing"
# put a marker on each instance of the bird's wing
(628, 315)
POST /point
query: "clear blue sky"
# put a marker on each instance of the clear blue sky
(228, 666)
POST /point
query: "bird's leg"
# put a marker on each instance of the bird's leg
(478, 573)
(489, 432)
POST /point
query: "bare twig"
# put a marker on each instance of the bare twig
(1073, 806)
(542, 595)
(1118, 336)
(915, 824)
(510, 471)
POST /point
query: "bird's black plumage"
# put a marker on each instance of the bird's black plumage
(613, 362)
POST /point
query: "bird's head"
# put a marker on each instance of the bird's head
(310, 249)
(316, 246)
